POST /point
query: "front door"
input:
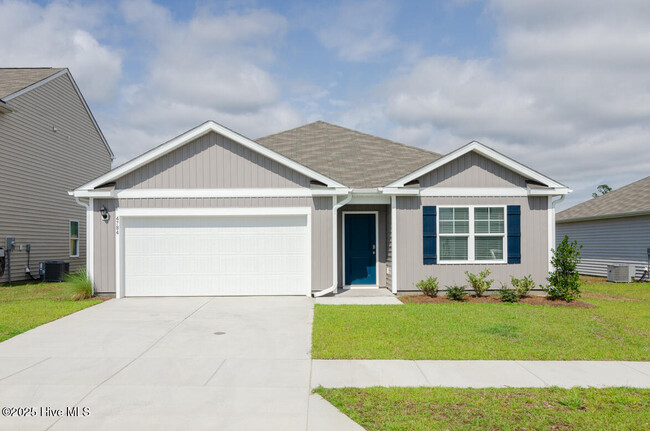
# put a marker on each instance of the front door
(360, 249)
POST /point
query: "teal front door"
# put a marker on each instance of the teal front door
(360, 249)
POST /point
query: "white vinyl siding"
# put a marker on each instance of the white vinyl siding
(471, 234)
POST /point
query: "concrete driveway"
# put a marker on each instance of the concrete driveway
(165, 363)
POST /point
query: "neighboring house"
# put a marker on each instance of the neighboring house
(613, 229)
(214, 213)
(49, 143)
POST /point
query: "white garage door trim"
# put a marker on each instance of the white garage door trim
(122, 213)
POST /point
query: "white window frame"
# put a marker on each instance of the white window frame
(70, 236)
(471, 235)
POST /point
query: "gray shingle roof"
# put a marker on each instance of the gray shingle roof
(628, 200)
(15, 79)
(349, 157)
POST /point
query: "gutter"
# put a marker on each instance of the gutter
(335, 272)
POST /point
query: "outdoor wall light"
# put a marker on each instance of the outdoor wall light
(104, 212)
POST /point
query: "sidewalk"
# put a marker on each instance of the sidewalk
(479, 374)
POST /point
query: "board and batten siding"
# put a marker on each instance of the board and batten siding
(321, 231)
(534, 242)
(383, 224)
(472, 170)
(212, 161)
(39, 166)
(605, 242)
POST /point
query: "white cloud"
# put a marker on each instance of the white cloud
(359, 31)
(569, 95)
(60, 35)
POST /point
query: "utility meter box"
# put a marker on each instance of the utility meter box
(10, 243)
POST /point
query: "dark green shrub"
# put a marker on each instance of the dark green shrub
(564, 281)
(456, 293)
(429, 286)
(480, 283)
(508, 295)
(524, 285)
(82, 288)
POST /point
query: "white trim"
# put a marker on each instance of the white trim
(209, 126)
(471, 235)
(486, 152)
(402, 192)
(375, 199)
(70, 221)
(90, 243)
(194, 212)
(551, 231)
(473, 191)
(557, 191)
(361, 286)
(81, 97)
(206, 193)
(393, 242)
(330, 192)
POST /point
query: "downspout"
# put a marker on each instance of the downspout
(89, 241)
(553, 227)
(335, 271)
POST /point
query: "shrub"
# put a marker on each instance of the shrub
(429, 286)
(564, 280)
(480, 283)
(82, 288)
(524, 285)
(456, 293)
(509, 295)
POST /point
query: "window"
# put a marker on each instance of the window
(472, 234)
(74, 238)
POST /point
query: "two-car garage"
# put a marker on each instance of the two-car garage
(212, 253)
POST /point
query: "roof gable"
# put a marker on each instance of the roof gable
(629, 200)
(355, 159)
(488, 153)
(193, 134)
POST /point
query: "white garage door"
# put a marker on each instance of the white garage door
(216, 255)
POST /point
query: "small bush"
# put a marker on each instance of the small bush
(429, 286)
(564, 281)
(524, 285)
(456, 293)
(81, 285)
(509, 295)
(480, 283)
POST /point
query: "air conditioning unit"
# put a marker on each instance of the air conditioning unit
(620, 273)
(53, 270)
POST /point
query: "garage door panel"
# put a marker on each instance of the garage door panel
(218, 255)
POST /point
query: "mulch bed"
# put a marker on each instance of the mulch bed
(532, 300)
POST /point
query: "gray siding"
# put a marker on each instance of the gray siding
(104, 276)
(534, 242)
(39, 167)
(609, 241)
(472, 170)
(212, 161)
(382, 240)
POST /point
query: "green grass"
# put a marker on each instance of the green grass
(493, 409)
(618, 328)
(26, 306)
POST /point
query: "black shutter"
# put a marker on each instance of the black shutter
(514, 234)
(429, 235)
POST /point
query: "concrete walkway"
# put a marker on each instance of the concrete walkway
(381, 296)
(479, 374)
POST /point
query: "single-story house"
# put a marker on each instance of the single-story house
(613, 229)
(49, 144)
(308, 210)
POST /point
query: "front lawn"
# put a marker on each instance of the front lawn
(493, 409)
(25, 306)
(617, 328)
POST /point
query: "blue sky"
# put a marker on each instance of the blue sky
(561, 86)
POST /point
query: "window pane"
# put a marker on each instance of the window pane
(446, 227)
(453, 248)
(462, 226)
(74, 244)
(496, 226)
(74, 229)
(481, 213)
(481, 226)
(446, 213)
(488, 248)
(461, 213)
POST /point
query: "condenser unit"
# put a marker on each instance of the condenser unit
(620, 273)
(53, 270)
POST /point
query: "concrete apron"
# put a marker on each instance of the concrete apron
(168, 363)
